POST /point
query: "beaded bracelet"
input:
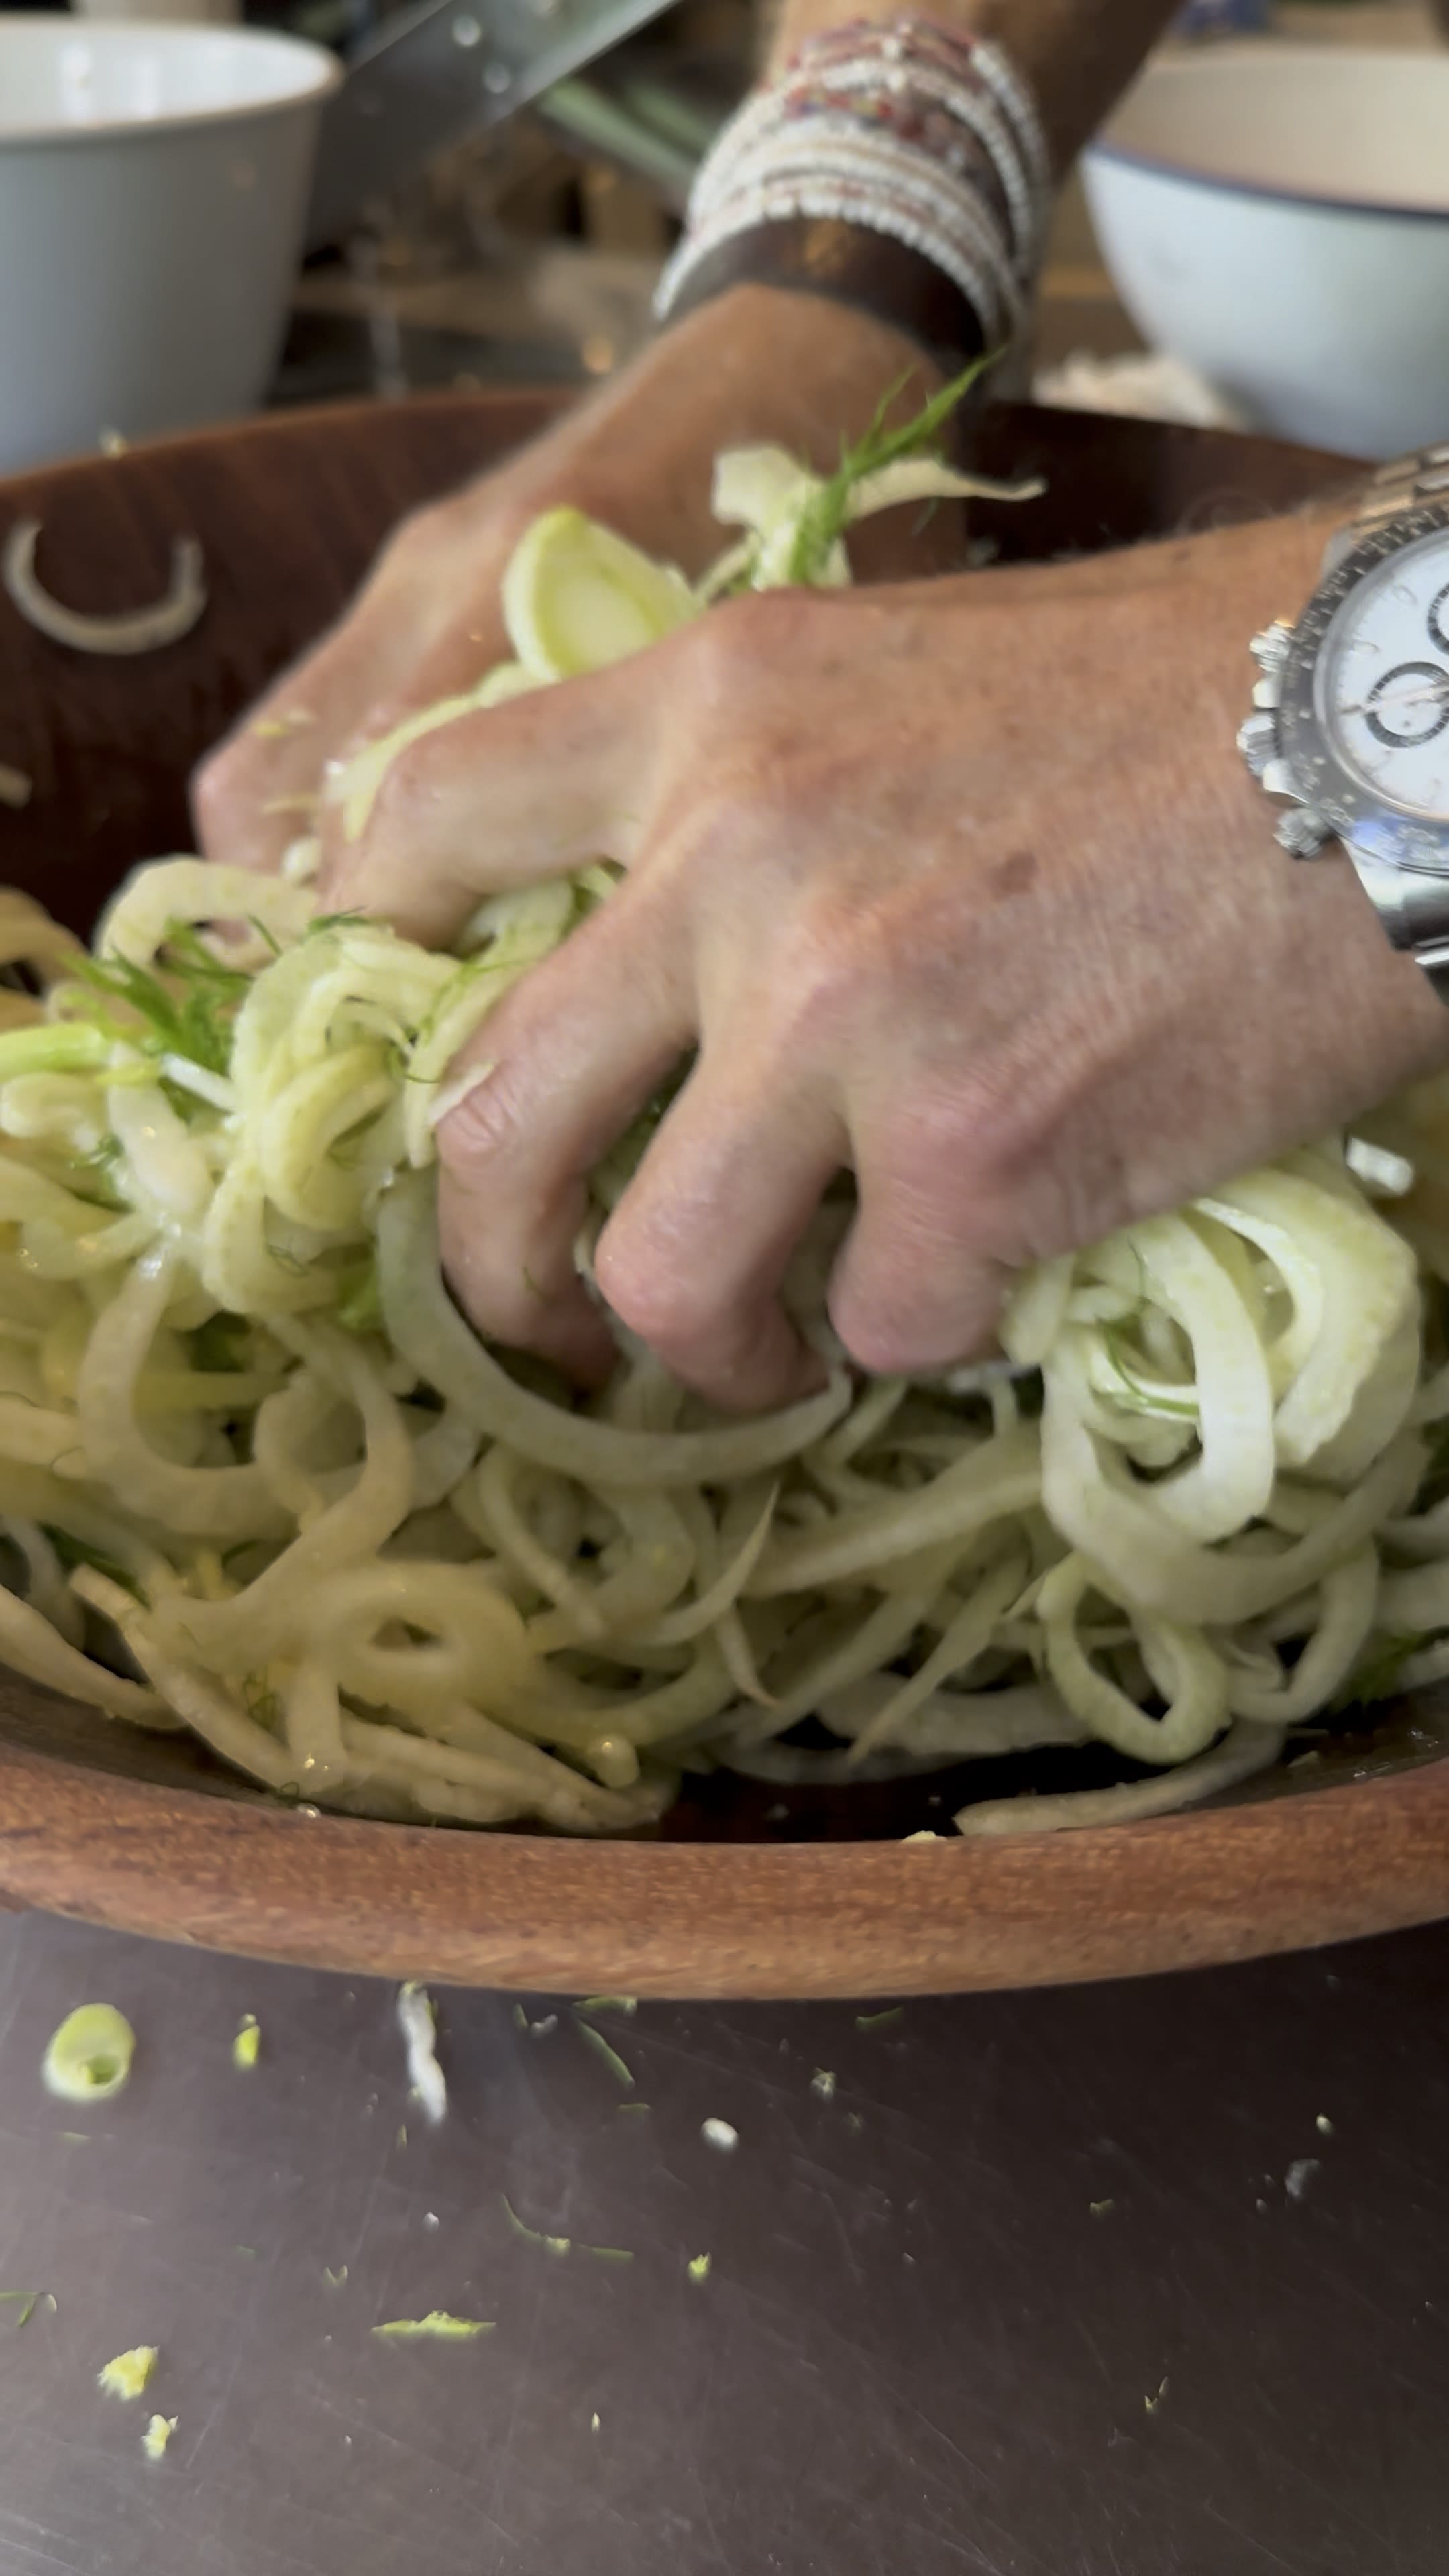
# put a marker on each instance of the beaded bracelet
(908, 134)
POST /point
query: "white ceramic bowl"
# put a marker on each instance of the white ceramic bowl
(153, 185)
(1278, 216)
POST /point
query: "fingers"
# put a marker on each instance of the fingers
(259, 790)
(411, 636)
(693, 1257)
(566, 1062)
(914, 1288)
(506, 796)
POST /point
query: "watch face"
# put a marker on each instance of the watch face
(1381, 687)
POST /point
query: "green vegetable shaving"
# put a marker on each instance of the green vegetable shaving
(608, 2253)
(247, 2041)
(827, 514)
(532, 2235)
(157, 2434)
(1143, 1395)
(880, 2020)
(73, 1551)
(129, 2373)
(698, 2268)
(27, 2301)
(608, 2003)
(610, 2056)
(437, 2323)
(190, 1014)
(335, 2280)
(64, 1047)
(90, 2056)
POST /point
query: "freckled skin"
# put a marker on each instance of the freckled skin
(1017, 873)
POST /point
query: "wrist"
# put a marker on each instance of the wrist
(757, 366)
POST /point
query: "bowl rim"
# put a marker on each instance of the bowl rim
(1177, 70)
(542, 1913)
(319, 75)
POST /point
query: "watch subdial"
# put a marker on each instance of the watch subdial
(1409, 704)
(1439, 620)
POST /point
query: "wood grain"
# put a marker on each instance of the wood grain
(146, 1833)
(685, 1919)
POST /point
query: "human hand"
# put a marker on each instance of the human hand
(960, 884)
(755, 365)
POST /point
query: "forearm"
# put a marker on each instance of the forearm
(1078, 55)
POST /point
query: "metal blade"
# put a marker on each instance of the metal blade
(440, 72)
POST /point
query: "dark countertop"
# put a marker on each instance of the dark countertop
(919, 2349)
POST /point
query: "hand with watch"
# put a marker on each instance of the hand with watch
(954, 882)
(1352, 718)
(957, 883)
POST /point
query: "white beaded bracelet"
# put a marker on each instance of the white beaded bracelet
(926, 138)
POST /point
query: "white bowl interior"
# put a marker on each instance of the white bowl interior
(62, 78)
(1339, 126)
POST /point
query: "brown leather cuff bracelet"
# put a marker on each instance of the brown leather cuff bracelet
(846, 264)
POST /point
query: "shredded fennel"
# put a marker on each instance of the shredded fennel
(138, 630)
(157, 2434)
(419, 2026)
(437, 2324)
(89, 2057)
(129, 2373)
(259, 1481)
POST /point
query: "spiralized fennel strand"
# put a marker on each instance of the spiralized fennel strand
(390, 1572)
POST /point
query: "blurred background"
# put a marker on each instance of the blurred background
(499, 181)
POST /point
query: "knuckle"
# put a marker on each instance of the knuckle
(877, 1343)
(424, 534)
(738, 647)
(215, 788)
(228, 792)
(487, 1121)
(888, 1337)
(668, 1303)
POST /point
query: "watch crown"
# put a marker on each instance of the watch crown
(1258, 742)
(1268, 692)
(1304, 832)
(1270, 648)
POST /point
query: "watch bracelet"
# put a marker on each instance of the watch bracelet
(1404, 483)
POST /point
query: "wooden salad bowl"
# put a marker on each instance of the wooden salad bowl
(746, 1890)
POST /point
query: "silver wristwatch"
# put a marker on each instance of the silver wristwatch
(1352, 710)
